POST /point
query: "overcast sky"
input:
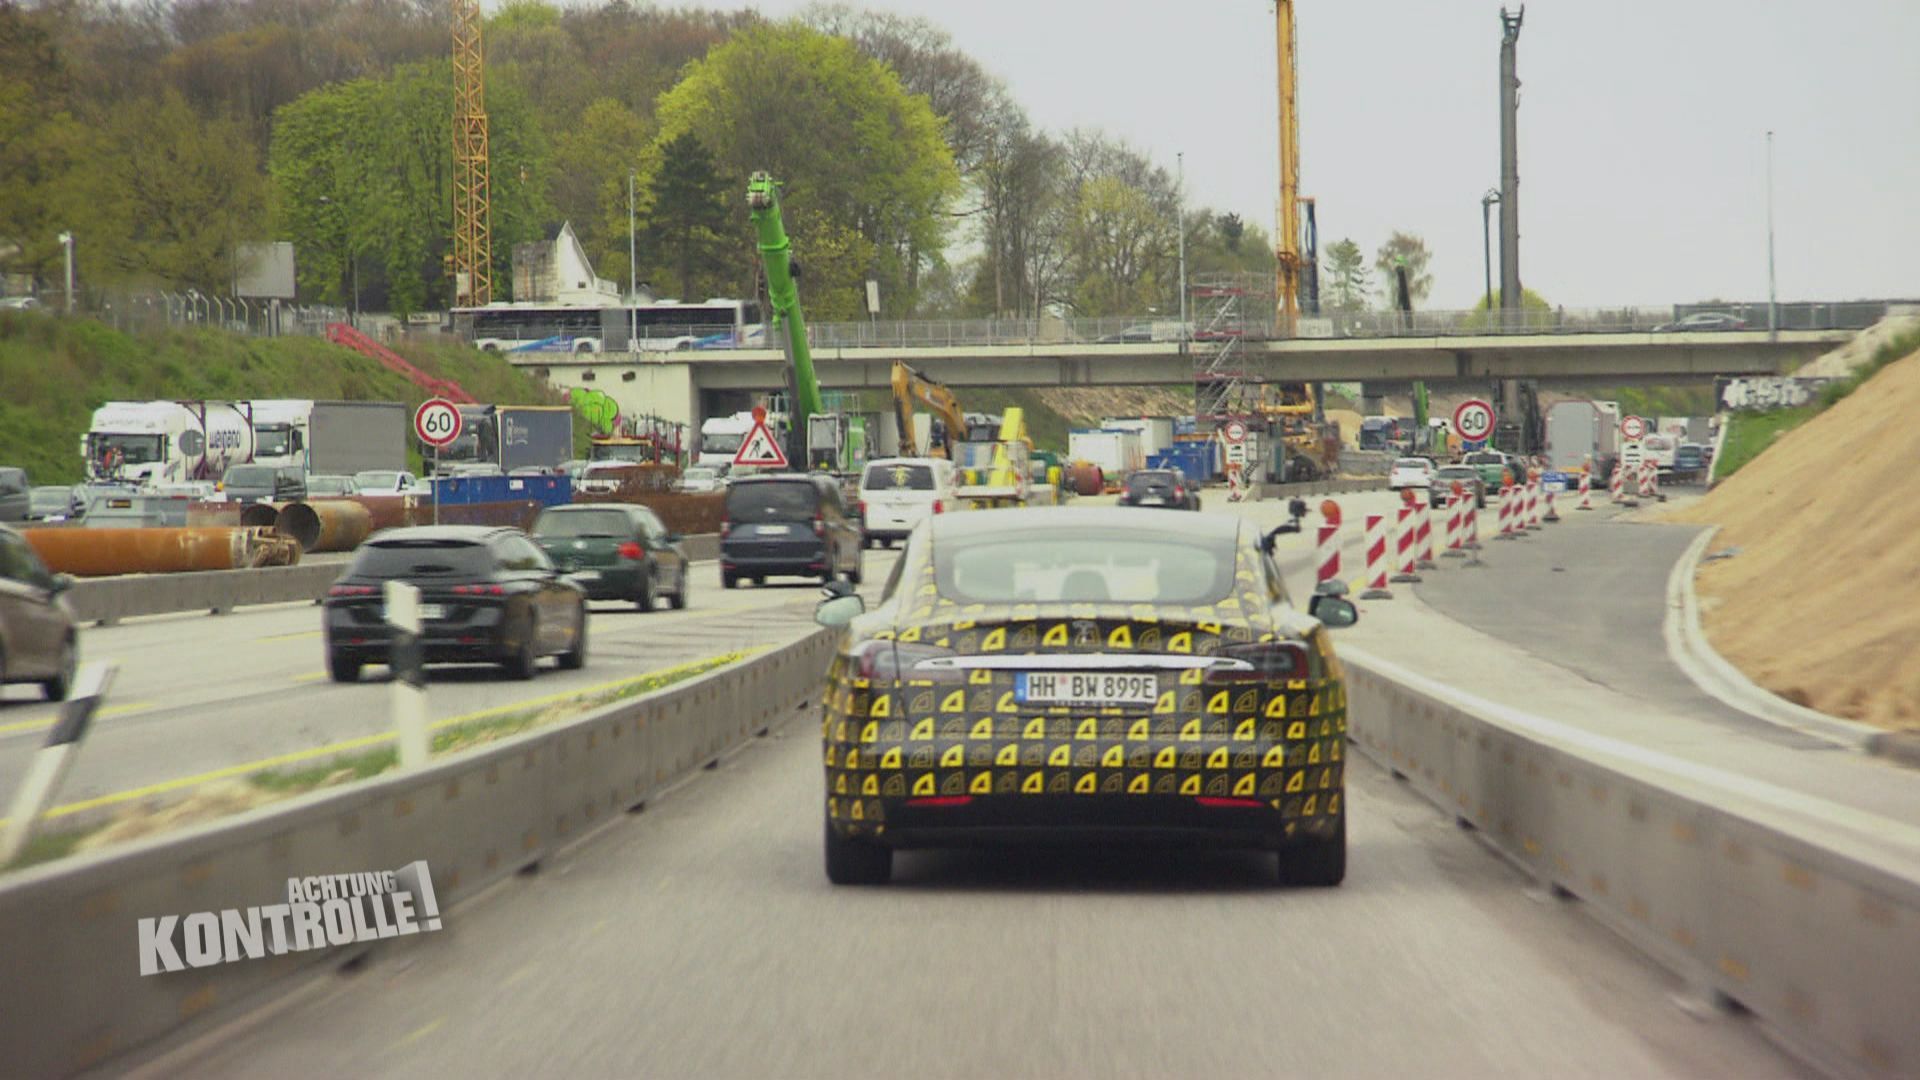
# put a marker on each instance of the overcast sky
(1642, 128)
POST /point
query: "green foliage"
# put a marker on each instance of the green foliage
(1656, 401)
(57, 371)
(860, 157)
(1748, 434)
(1345, 284)
(362, 172)
(1120, 243)
(1896, 348)
(1411, 249)
(592, 158)
(1530, 301)
(688, 217)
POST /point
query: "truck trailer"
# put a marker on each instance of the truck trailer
(157, 442)
(331, 438)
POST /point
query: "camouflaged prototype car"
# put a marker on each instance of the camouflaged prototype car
(1084, 673)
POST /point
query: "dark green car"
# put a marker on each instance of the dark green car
(615, 551)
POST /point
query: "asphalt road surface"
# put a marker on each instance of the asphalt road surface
(702, 939)
(196, 694)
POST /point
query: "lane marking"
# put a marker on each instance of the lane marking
(291, 636)
(311, 676)
(364, 741)
(108, 711)
(422, 1031)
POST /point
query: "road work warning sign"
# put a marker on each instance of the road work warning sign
(760, 447)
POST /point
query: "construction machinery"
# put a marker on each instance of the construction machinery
(472, 191)
(950, 427)
(997, 473)
(815, 439)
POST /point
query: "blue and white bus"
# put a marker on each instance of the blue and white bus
(661, 326)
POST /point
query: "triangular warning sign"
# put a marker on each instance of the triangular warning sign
(761, 448)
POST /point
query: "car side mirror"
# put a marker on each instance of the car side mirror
(674, 538)
(60, 583)
(1333, 611)
(837, 611)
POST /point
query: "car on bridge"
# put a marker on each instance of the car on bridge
(1702, 321)
(488, 595)
(1080, 673)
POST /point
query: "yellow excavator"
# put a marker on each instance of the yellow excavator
(910, 386)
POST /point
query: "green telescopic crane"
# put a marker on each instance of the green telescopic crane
(783, 294)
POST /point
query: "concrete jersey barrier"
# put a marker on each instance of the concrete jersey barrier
(1804, 913)
(71, 992)
(108, 600)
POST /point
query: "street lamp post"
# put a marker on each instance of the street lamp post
(1181, 224)
(633, 271)
(66, 244)
(1773, 304)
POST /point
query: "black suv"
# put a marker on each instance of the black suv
(1161, 487)
(788, 524)
(265, 483)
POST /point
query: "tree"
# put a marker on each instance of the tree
(1345, 284)
(1413, 250)
(592, 158)
(1230, 229)
(1535, 306)
(688, 216)
(1120, 242)
(859, 155)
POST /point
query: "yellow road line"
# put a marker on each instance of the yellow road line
(424, 1030)
(311, 676)
(108, 711)
(292, 636)
(369, 740)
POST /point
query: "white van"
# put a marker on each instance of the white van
(897, 494)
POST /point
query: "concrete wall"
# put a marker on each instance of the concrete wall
(663, 389)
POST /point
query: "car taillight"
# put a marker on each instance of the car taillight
(725, 526)
(479, 590)
(1179, 493)
(631, 550)
(352, 590)
(939, 507)
(1266, 662)
(890, 661)
(819, 525)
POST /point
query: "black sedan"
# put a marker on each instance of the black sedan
(1085, 673)
(487, 595)
(1161, 487)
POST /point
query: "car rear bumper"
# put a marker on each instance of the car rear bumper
(787, 558)
(995, 820)
(472, 646)
(609, 582)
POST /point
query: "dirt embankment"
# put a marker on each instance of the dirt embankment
(1822, 603)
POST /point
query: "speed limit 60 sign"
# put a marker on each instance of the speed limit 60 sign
(1473, 420)
(437, 422)
(1633, 428)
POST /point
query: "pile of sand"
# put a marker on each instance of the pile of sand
(1822, 603)
(1089, 404)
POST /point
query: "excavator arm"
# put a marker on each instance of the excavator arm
(910, 386)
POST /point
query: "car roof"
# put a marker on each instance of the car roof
(1001, 522)
(770, 478)
(472, 534)
(906, 461)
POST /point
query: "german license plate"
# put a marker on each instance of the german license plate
(433, 611)
(1084, 688)
(585, 575)
(1153, 500)
(775, 530)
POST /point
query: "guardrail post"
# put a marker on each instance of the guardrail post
(50, 766)
(407, 660)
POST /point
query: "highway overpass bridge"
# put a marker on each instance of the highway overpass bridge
(676, 385)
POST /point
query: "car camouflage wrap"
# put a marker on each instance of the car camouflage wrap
(888, 739)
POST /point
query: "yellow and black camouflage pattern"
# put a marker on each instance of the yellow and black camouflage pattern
(1280, 742)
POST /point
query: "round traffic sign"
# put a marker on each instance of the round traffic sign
(437, 422)
(1633, 427)
(1235, 431)
(1473, 419)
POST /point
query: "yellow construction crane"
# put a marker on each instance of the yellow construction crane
(472, 194)
(910, 386)
(1288, 230)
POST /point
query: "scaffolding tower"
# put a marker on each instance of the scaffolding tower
(472, 194)
(1228, 309)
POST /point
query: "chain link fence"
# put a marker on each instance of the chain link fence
(136, 310)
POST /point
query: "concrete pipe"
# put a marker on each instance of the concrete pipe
(261, 515)
(325, 524)
(106, 552)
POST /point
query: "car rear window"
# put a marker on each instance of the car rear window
(250, 475)
(1462, 472)
(1150, 481)
(12, 481)
(583, 523)
(794, 500)
(1485, 459)
(898, 477)
(423, 558)
(1084, 566)
(1410, 463)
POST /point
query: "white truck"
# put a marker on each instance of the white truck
(722, 436)
(331, 438)
(1580, 433)
(156, 442)
(1116, 452)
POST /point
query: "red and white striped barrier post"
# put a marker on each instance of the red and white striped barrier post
(1552, 514)
(1377, 559)
(1629, 484)
(1617, 490)
(1328, 553)
(1423, 533)
(1470, 521)
(1650, 470)
(1586, 492)
(1454, 529)
(1533, 504)
(1508, 505)
(1405, 557)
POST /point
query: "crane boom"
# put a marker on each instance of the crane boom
(783, 295)
(1288, 230)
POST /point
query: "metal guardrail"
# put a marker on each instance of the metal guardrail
(71, 992)
(1779, 903)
